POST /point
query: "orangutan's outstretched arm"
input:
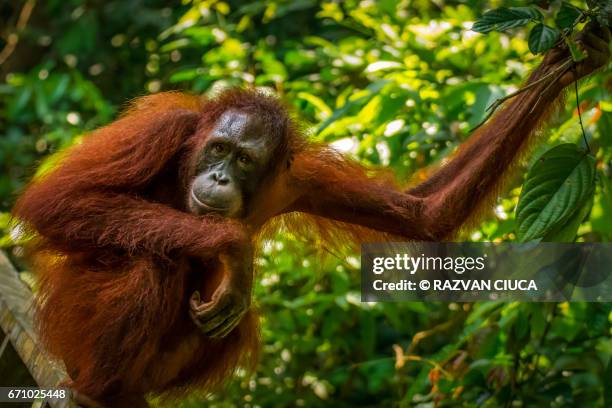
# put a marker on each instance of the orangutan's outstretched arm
(330, 186)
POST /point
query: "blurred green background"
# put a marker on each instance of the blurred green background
(393, 83)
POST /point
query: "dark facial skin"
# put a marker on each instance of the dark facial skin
(231, 166)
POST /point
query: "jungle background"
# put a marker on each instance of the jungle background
(393, 83)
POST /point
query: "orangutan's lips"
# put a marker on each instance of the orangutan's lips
(207, 206)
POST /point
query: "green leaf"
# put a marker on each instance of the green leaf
(542, 38)
(503, 18)
(323, 111)
(186, 75)
(567, 232)
(567, 15)
(373, 89)
(175, 45)
(557, 185)
(604, 13)
(486, 94)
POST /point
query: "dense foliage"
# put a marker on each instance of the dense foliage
(397, 84)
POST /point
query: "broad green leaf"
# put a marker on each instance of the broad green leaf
(567, 15)
(567, 232)
(503, 18)
(557, 185)
(542, 38)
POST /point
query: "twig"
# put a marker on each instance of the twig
(538, 349)
(13, 38)
(579, 114)
(545, 90)
(497, 103)
(404, 358)
(442, 327)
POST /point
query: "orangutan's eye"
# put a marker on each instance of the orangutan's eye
(219, 148)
